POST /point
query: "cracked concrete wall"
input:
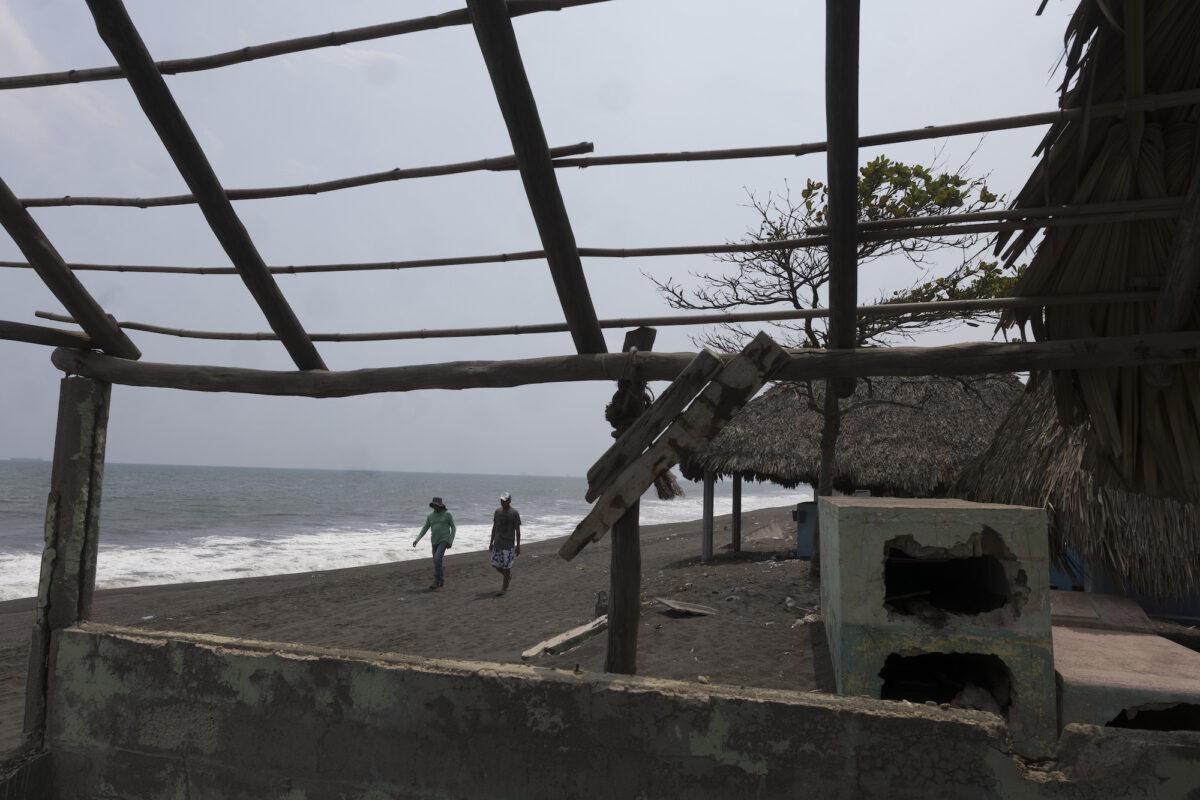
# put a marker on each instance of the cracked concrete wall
(136, 714)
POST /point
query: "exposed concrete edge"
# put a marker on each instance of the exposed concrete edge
(989, 724)
(25, 775)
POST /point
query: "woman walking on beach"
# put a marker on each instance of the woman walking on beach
(440, 523)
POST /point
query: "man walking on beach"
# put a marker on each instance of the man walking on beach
(441, 524)
(506, 539)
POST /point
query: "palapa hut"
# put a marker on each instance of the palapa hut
(899, 436)
(1148, 543)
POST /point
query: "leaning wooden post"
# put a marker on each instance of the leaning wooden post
(71, 533)
(710, 479)
(737, 513)
(625, 566)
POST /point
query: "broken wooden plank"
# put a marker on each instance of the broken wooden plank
(633, 442)
(737, 382)
(692, 609)
(565, 641)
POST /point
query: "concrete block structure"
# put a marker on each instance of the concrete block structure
(944, 601)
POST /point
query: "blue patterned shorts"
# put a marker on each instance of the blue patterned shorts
(502, 559)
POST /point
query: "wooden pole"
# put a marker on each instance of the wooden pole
(38, 334)
(1165, 100)
(500, 164)
(71, 533)
(706, 551)
(59, 279)
(498, 44)
(933, 307)
(255, 52)
(841, 115)
(1135, 213)
(122, 38)
(972, 358)
(625, 563)
(737, 513)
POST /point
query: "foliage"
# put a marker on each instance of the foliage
(797, 276)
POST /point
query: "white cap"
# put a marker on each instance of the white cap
(506, 497)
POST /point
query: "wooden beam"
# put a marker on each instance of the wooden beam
(625, 560)
(50, 267)
(1120, 108)
(39, 334)
(255, 52)
(501, 164)
(932, 307)
(972, 358)
(736, 523)
(669, 405)
(706, 544)
(737, 382)
(1151, 211)
(498, 44)
(119, 34)
(841, 117)
(72, 530)
(568, 639)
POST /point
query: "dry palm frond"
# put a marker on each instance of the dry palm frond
(1148, 543)
(1147, 436)
(899, 436)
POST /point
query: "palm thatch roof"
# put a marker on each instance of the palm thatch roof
(899, 436)
(1151, 544)
(1114, 51)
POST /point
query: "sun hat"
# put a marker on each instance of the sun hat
(437, 503)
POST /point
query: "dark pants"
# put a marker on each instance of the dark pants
(439, 550)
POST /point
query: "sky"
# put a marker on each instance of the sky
(628, 75)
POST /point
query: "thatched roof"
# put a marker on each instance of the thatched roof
(1151, 438)
(906, 436)
(1153, 544)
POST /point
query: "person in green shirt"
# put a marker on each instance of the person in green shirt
(440, 524)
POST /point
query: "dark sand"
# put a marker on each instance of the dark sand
(753, 640)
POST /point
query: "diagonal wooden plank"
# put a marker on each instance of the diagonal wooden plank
(737, 382)
(669, 405)
(58, 277)
(122, 38)
(498, 43)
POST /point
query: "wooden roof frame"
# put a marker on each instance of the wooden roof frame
(537, 162)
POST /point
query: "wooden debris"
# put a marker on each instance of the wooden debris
(565, 641)
(689, 609)
(737, 382)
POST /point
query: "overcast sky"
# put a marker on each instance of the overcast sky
(629, 75)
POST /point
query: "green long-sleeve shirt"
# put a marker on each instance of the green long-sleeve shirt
(441, 525)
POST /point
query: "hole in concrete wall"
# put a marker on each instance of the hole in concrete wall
(963, 680)
(1165, 717)
(970, 578)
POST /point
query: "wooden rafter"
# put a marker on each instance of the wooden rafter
(841, 115)
(881, 310)
(123, 40)
(974, 358)
(54, 272)
(40, 334)
(498, 44)
(256, 52)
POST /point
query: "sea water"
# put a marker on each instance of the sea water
(175, 524)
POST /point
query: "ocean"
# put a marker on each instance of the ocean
(177, 524)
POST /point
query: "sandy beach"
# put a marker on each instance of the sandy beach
(754, 639)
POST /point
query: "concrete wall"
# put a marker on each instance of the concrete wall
(135, 714)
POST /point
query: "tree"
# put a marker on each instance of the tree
(947, 268)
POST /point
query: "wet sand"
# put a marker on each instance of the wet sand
(754, 639)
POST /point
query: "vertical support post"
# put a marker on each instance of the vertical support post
(841, 119)
(710, 479)
(72, 529)
(625, 565)
(737, 513)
